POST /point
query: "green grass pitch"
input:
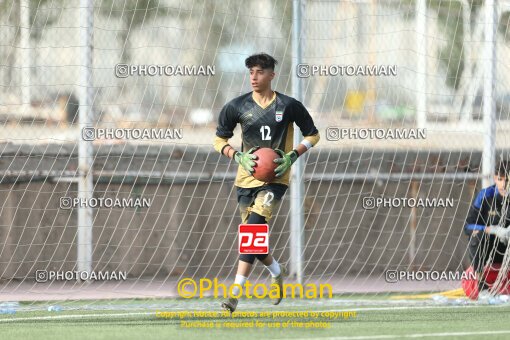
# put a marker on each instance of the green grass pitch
(376, 318)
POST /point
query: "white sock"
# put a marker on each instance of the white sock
(240, 280)
(274, 268)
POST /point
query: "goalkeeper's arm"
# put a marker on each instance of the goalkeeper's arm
(307, 143)
(286, 160)
(502, 233)
(245, 159)
(221, 145)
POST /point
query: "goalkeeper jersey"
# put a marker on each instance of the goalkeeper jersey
(270, 126)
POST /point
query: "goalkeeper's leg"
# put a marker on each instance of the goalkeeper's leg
(243, 267)
(258, 211)
(262, 211)
(276, 270)
(477, 253)
(243, 270)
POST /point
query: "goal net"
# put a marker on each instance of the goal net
(118, 207)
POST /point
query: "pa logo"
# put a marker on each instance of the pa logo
(253, 239)
(279, 116)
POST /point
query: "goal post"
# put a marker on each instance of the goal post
(297, 185)
(85, 149)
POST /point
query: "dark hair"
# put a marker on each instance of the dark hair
(503, 168)
(263, 60)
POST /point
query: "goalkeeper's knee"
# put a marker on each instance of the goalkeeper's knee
(249, 258)
(261, 257)
(254, 218)
(475, 252)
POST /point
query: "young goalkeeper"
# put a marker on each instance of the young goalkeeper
(488, 234)
(266, 118)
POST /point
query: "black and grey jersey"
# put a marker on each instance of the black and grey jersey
(271, 126)
(265, 126)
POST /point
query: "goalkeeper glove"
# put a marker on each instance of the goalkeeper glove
(285, 161)
(502, 233)
(245, 159)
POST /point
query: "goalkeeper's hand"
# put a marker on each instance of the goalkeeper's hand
(245, 159)
(285, 161)
(502, 233)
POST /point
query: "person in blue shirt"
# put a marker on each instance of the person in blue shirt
(486, 226)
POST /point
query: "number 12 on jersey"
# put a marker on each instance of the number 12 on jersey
(265, 132)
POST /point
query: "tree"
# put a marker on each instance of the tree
(43, 13)
(133, 13)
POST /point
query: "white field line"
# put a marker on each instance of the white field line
(417, 335)
(102, 315)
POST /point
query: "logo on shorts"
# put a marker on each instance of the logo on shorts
(253, 239)
(279, 116)
(268, 198)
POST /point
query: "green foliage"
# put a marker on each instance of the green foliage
(503, 25)
(43, 13)
(450, 16)
(133, 13)
(451, 56)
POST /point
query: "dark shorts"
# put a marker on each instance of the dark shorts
(262, 200)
